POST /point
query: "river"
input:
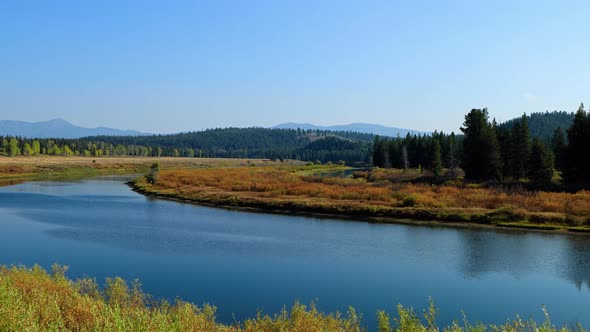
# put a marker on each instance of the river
(243, 262)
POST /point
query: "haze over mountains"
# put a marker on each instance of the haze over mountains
(58, 128)
(542, 125)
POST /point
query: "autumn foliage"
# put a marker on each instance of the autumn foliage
(370, 195)
(32, 299)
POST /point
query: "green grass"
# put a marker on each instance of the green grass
(31, 299)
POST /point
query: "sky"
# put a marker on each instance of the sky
(171, 66)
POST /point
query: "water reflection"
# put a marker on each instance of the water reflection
(576, 261)
(126, 220)
(101, 228)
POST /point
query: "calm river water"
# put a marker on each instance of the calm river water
(242, 262)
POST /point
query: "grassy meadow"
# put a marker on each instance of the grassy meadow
(16, 169)
(32, 299)
(379, 195)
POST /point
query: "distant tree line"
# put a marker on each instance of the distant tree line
(214, 143)
(418, 151)
(495, 152)
(488, 151)
(542, 125)
(334, 149)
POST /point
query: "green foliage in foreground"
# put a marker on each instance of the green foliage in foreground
(31, 299)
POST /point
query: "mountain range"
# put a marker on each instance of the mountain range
(58, 128)
(368, 128)
(542, 125)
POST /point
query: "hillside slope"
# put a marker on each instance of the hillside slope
(56, 128)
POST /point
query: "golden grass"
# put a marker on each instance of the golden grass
(33, 300)
(285, 188)
(44, 167)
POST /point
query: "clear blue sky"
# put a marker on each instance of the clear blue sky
(168, 66)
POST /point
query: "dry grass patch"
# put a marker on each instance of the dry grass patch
(285, 188)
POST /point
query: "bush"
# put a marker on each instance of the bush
(409, 201)
(153, 174)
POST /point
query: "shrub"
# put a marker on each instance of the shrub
(153, 174)
(409, 201)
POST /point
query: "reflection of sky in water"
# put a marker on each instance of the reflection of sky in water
(245, 261)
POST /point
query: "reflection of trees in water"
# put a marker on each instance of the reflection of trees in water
(487, 252)
(576, 267)
(522, 253)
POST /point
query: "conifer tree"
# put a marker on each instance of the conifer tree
(577, 153)
(520, 137)
(4, 146)
(481, 151)
(558, 147)
(540, 163)
(436, 158)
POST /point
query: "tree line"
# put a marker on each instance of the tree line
(543, 124)
(214, 143)
(492, 152)
(489, 151)
(418, 151)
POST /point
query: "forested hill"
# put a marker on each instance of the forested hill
(542, 125)
(375, 129)
(223, 143)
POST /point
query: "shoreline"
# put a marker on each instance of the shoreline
(500, 226)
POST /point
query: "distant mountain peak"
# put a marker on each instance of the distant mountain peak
(58, 120)
(58, 128)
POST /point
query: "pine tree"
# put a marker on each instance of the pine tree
(4, 146)
(577, 158)
(405, 161)
(520, 143)
(436, 158)
(481, 151)
(540, 163)
(558, 147)
(393, 152)
(505, 141)
(453, 156)
(378, 158)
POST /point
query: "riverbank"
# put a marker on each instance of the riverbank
(32, 299)
(284, 190)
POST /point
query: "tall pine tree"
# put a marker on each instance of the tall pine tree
(481, 151)
(521, 147)
(436, 163)
(540, 163)
(558, 148)
(578, 150)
